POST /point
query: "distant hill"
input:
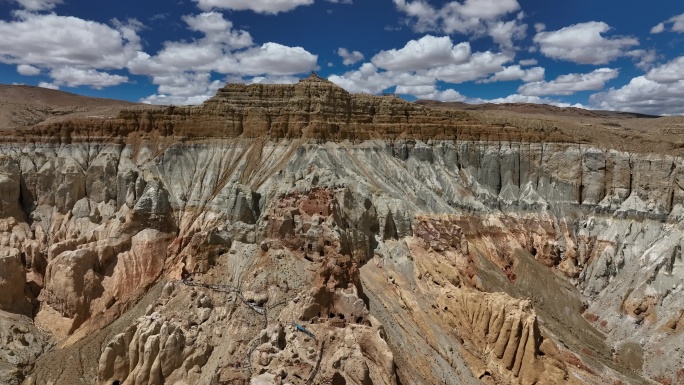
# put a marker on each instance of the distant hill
(530, 108)
(22, 105)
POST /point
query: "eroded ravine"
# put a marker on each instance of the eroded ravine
(410, 260)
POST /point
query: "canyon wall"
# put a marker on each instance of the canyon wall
(322, 237)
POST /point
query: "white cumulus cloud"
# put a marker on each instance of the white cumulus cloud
(368, 79)
(643, 96)
(659, 92)
(415, 90)
(39, 5)
(224, 50)
(189, 81)
(50, 40)
(71, 50)
(184, 56)
(259, 6)
(28, 70)
(584, 43)
(427, 52)
(183, 69)
(213, 52)
(643, 59)
(448, 95)
(676, 24)
(471, 17)
(183, 89)
(504, 33)
(187, 84)
(218, 30)
(480, 65)
(570, 83)
(515, 72)
(658, 28)
(349, 57)
(670, 72)
(275, 59)
(75, 77)
(430, 92)
(416, 68)
(517, 98)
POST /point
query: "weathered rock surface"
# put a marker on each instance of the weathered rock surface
(323, 237)
(12, 279)
(20, 346)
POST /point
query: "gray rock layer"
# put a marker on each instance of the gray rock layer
(87, 228)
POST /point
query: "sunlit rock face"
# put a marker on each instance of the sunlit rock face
(299, 234)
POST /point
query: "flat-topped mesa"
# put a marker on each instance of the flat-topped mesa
(313, 108)
(317, 108)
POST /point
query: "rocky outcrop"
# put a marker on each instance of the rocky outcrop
(21, 343)
(323, 237)
(12, 280)
(507, 333)
(152, 352)
(439, 308)
(9, 188)
(94, 276)
(313, 108)
(205, 342)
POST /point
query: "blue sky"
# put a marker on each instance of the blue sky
(619, 55)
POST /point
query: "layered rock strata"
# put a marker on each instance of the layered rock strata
(342, 239)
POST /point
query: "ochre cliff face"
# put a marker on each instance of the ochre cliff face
(319, 237)
(313, 109)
